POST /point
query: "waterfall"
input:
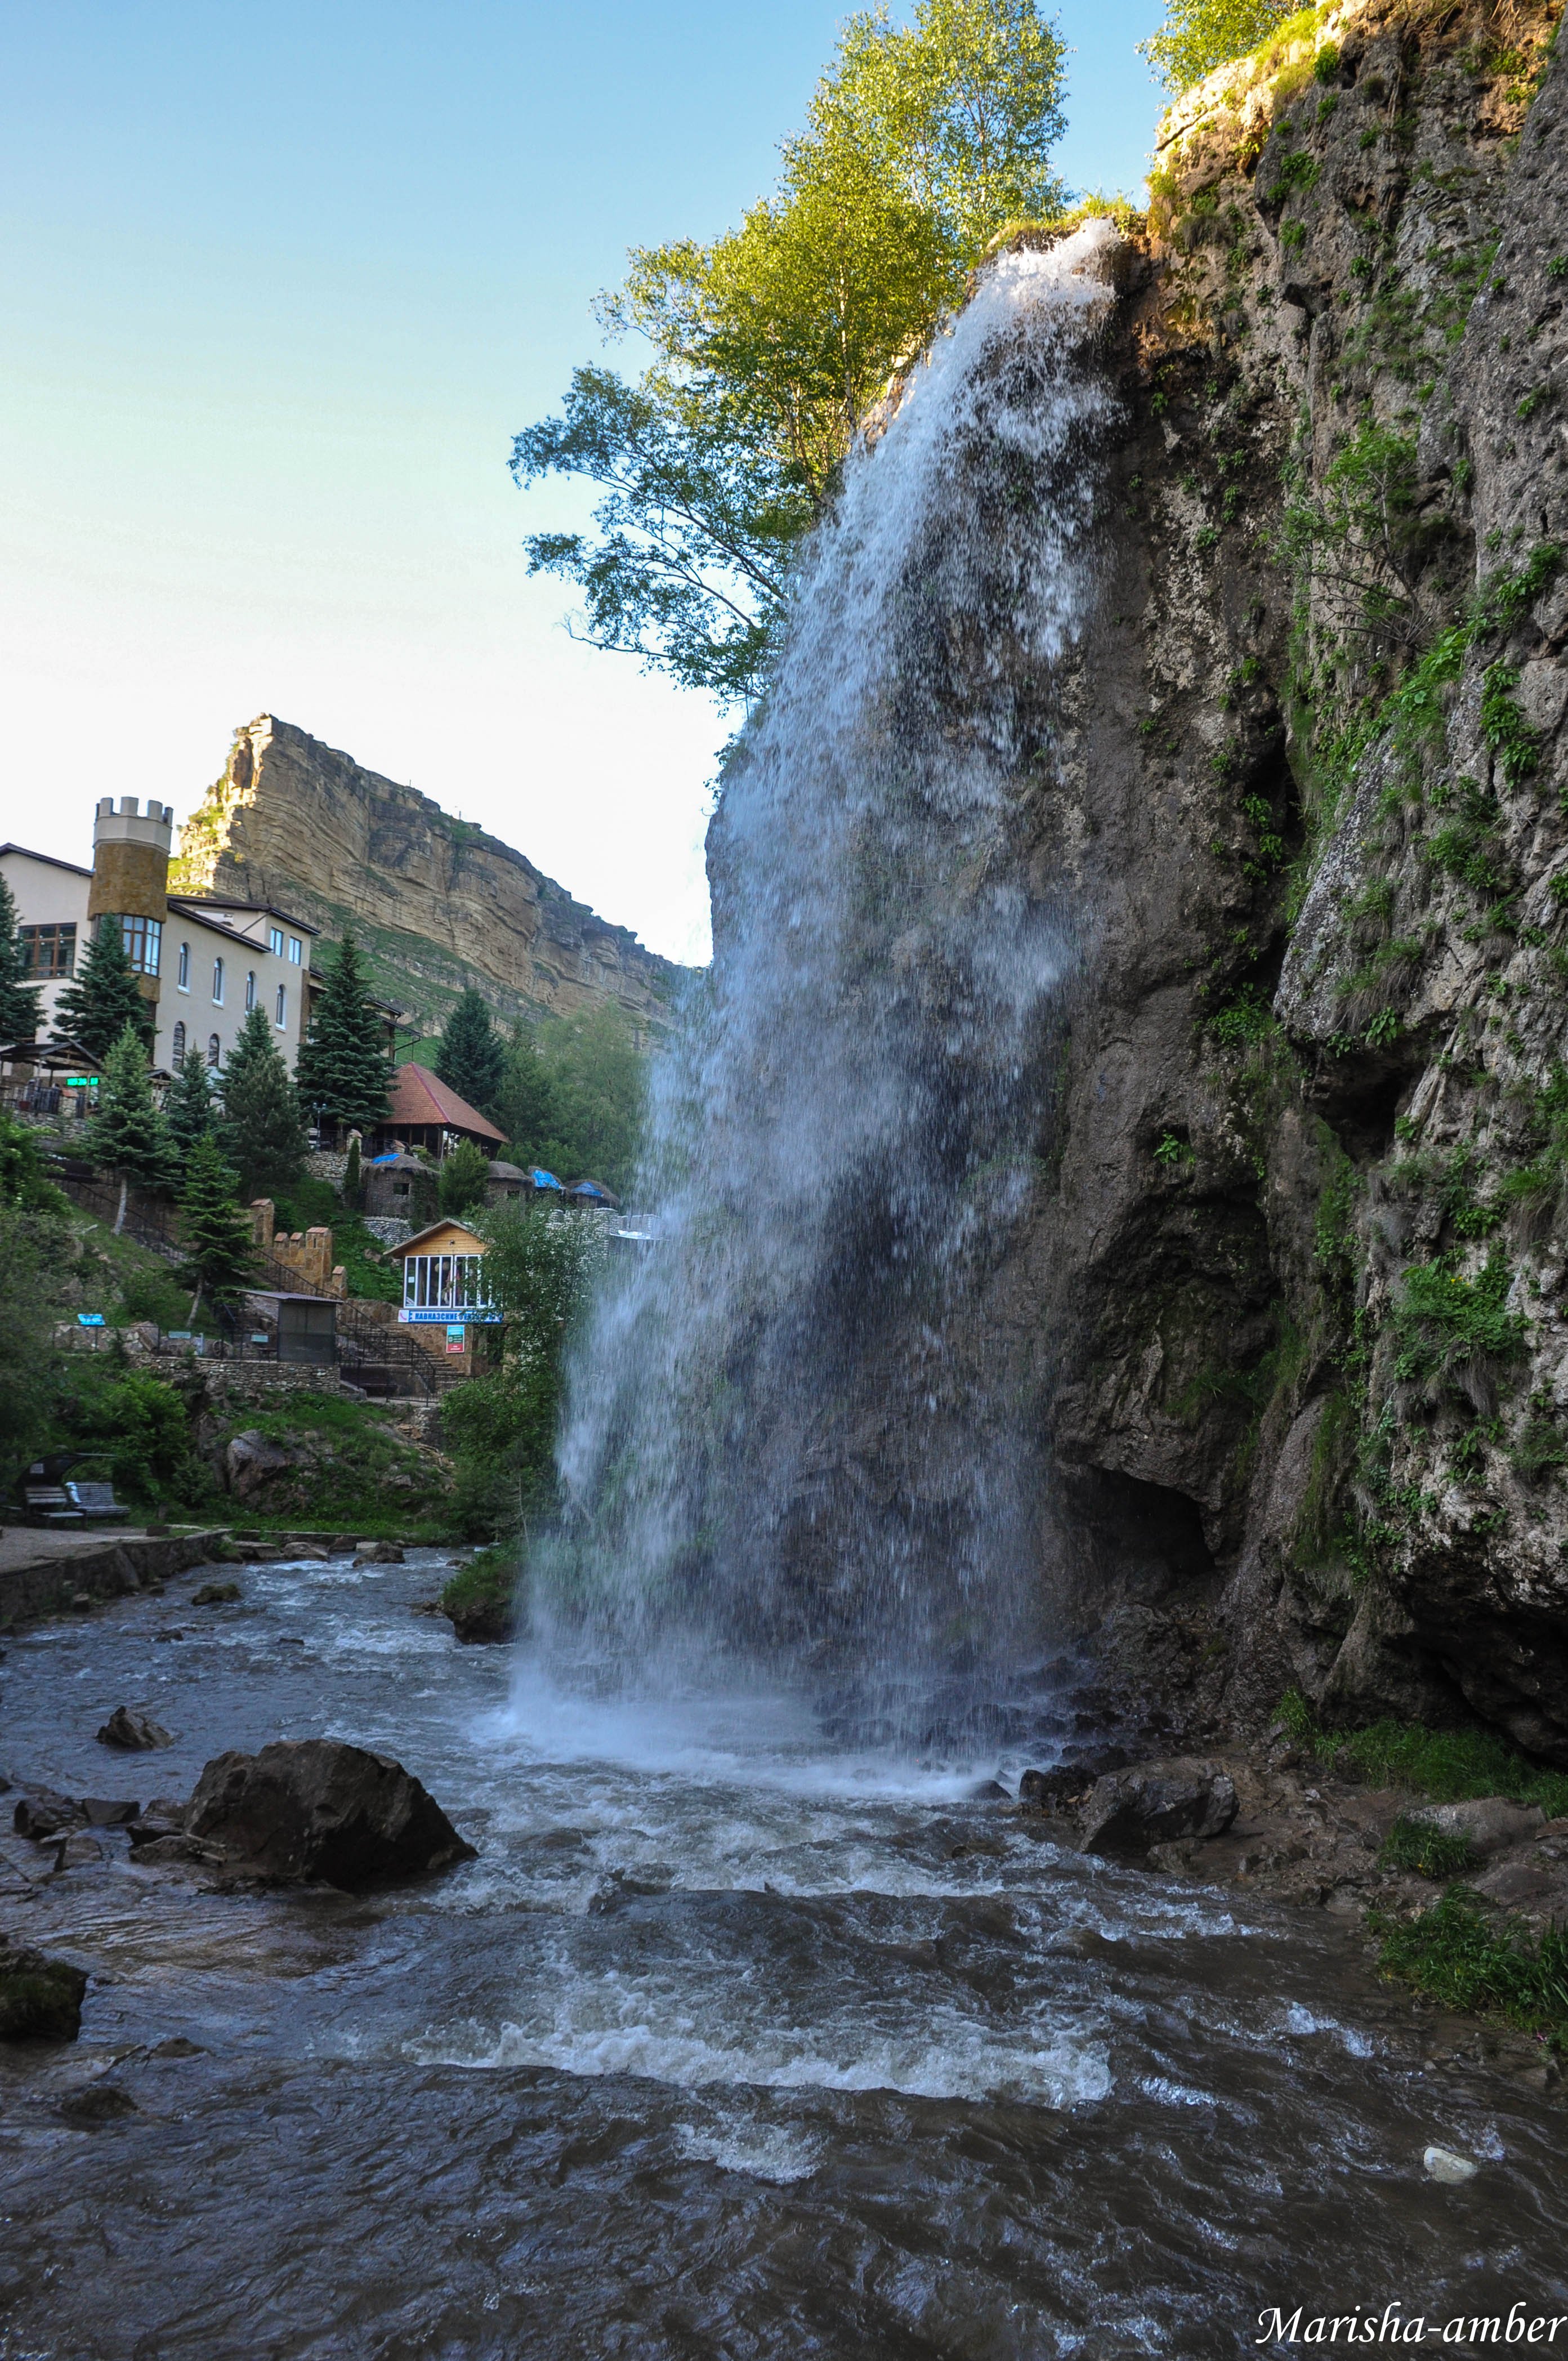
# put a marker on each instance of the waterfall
(796, 1425)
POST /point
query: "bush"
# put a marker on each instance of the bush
(1455, 1953)
(501, 1431)
(481, 1598)
(136, 1424)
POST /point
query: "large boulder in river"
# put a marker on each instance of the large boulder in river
(40, 1999)
(315, 1809)
(1128, 1811)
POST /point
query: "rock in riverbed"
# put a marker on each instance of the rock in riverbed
(133, 1733)
(42, 1813)
(315, 1809)
(1128, 1811)
(40, 1999)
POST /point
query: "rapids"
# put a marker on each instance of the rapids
(727, 2044)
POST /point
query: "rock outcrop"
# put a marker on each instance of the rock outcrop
(1292, 1298)
(435, 903)
(315, 1809)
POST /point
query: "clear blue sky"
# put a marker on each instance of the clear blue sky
(279, 284)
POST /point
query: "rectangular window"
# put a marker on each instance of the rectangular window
(275, 941)
(280, 1017)
(141, 937)
(250, 990)
(218, 982)
(183, 975)
(48, 950)
(443, 1282)
(296, 951)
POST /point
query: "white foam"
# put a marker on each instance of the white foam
(763, 2151)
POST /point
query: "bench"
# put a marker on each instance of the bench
(95, 1500)
(49, 1504)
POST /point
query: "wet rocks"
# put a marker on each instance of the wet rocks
(1128, 1811)
(216, 1593)
(132, 1732)
(315, 1809)
(163, 1818)
(42, 1813)
(100, 1812)
(96, 2103)
(378, 1554)
(40, 1998)
(79, 1851)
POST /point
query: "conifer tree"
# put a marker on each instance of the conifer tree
(220, 1252)
(344, 1068)
(21, 1004)
(128, 1136)
(471, 1059)
(262, 1133)
(190, 1111)
(105, 997)
(465, 1177)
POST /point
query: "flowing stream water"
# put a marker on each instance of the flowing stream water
(726, 2045)
(754, 2029)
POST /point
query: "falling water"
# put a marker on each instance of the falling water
(789, 1429)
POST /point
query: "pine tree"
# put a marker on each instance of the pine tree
(471, 1059)
(344, 1068)
(95, 1009)
(262, 1133)
(190, 1111)
(128, 1136)
(21, 1004)
(220, 1252)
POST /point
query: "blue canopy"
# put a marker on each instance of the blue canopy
(544, 1179)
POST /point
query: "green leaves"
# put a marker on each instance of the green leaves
(472, 1059)
(773, 344)
(220, 1254)
(262, 1131)
(343, 1068)
(105, 997)
(1198, 35)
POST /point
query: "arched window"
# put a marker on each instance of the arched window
(282, 1007)
(177, 1043)
(218, 982)
(185, 967)
(250, 991)
(215, 1049)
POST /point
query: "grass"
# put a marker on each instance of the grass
(354, 1471)
(1460, 1958)
(1431, 1852)
(488, 1579)
(1445, 1766)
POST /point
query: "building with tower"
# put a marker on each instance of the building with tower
(203, 963)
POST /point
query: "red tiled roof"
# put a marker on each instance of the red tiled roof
(421, 1097)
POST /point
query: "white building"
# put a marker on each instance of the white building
(203, 964)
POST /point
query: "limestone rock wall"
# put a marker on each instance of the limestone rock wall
(436, 902)
(1290, 1300)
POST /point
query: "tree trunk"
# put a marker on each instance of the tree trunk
(120, 1216)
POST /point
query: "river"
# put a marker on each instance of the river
(727, 2044)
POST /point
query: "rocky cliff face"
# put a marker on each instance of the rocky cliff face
(436, 903)
(1291, 1304)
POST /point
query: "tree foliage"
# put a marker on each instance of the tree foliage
(190, 1110)
(343, 1067)
(774, 342)
(1198, 35)
(263, 1133)
(465, 1176)
(21, 1004)
(220, 1251)
(105, 997)
(471, 1059)
(34, 1251)
(574, 1095)
(127, 1135)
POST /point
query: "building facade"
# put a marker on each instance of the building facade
(203, 963)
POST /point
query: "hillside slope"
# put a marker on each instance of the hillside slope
(436, 902)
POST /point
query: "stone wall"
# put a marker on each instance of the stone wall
(434, 902)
